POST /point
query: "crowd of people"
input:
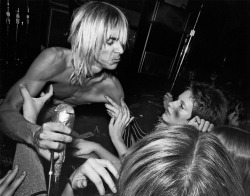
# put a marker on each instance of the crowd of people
(191, 151)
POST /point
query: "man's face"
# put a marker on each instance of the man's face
(110, 54)
(179, 111)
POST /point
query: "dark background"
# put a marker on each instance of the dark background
(220, 44)
(218, 52)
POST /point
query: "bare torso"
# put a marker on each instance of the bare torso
(54, 66)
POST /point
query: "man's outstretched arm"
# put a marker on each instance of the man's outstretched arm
(13, 124)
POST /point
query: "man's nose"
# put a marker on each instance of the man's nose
(119, 48)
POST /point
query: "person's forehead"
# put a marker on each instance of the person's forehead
(113, 33)
(186, 96)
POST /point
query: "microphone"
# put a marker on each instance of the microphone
(64, 114)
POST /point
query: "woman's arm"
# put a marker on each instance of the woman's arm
(84, 148)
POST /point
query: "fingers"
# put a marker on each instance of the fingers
(126, 115)
(7, 189)
(24, 92)
(205, 126)
(201, 124)
(112, 109)
(123, 104)
(98, 171)
(111, 113)
(52, 136)
(195, 122)
(210, 128)
(111, 101)
(15, 184)
(46, 96)
(6, 175)
(112, 120)
(56, 127)
(10, 176)
(168, 95)
(110, 167)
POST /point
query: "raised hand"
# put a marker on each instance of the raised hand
(201, 124)
(96, 171)
(113, 108)
(7, 185)
(32, 106)
(116, 129)
(166, 99)
(118, 125)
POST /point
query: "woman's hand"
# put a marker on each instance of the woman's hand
(166, 99)
(7, 185)
(96, 171)
(83, 148)
(118, 125)
(32, 106)
(201, 124)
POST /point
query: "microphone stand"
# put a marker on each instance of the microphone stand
(185, 49)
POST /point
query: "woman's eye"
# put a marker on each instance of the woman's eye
(182, 106)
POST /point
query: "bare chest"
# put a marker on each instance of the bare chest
(75, 95)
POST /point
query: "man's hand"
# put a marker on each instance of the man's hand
(51, 136)
(32, 106)
(83, 148)
(96, 171)
(201, 124)
(7, 185)
(166, 99)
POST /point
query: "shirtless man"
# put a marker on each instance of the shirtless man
(98, 35)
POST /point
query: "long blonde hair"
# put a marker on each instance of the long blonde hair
(178, 160)
(90, 29)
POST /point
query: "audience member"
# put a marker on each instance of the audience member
(8, 185)
(175, 160)
(200, 105)
(237, 143)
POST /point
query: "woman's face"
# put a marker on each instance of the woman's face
(179, 111)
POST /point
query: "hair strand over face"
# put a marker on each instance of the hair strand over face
(91, 27)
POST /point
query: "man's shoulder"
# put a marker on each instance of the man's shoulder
(110, 79)
(55, 53)
(50, 63)
(112, 87)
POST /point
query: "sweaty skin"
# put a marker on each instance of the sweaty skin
(54, 66)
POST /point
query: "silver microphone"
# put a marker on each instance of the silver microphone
(64, 114)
